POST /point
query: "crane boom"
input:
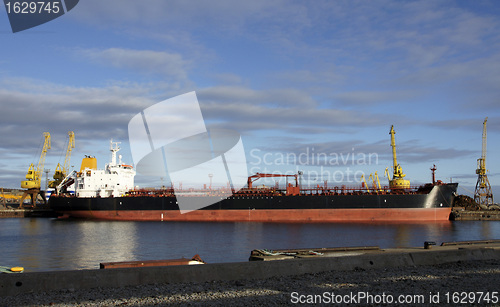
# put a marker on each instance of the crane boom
(375, 182)
(363, 182)
(481, 165)
(34, 175)
(261, 175)
(71, 145)
(483, 195)
(393, 145)
(397, 181)
(484, 139)
(61, 171)
(386, 174)
(290, 190)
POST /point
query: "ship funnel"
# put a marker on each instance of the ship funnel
(88, 162)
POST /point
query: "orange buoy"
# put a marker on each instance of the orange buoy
(17, 269)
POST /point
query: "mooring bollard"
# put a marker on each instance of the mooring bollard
(428, 244)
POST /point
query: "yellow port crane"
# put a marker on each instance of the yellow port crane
(62, 171)
(483, 195)
(363, 183)
(397, 181)
(375, 182)
(34, 175)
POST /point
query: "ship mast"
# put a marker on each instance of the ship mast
(397, 181)
(114, 148)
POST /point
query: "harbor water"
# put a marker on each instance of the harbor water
(46, 244)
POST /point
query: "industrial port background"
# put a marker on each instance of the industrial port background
(290, 76)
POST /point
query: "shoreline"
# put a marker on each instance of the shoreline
(427, 272)
(423, 286)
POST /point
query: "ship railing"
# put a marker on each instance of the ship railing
(275, 191)
(344, 190)
(169, 192)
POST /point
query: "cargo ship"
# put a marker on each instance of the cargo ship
(109, 194)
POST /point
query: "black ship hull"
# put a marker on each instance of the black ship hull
(432, 203)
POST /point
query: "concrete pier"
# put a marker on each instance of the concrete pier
(19, 213)
(14, 284)
(478, 215)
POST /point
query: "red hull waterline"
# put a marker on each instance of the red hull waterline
(282, 216)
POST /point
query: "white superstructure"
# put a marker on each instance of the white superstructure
(113, 181)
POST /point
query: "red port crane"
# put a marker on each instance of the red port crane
(290, 190)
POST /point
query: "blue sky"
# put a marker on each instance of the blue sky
(293, 77)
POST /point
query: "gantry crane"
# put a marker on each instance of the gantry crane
(397, 181)
(483, 195)
(375, 182)
(34, 176)
(62, 171)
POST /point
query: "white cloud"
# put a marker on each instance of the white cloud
(33, 106)
(375, 98)
(317, 67)
(284, 111)
(225, 15)
(285, 97)
(163, 63)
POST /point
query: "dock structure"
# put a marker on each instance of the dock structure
(474, 215)
(20, 213)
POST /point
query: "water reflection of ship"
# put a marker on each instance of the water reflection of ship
(429, 231)
(106, 241)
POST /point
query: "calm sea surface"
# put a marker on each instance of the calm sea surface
(43, 244)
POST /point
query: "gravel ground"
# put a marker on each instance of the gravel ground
(458, 283)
